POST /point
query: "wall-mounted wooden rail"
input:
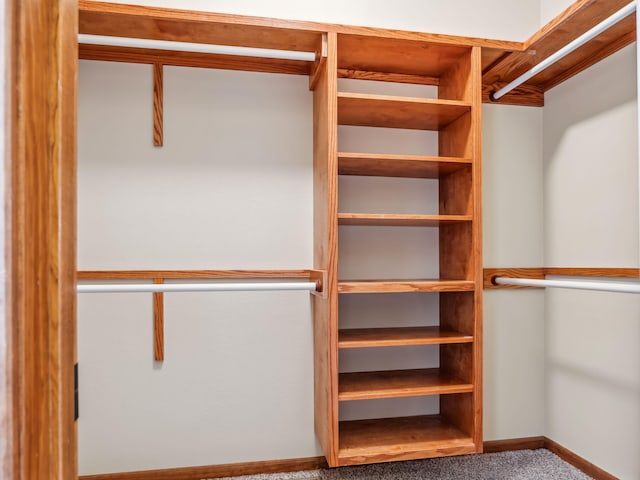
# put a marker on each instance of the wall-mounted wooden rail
(540, 273)
(158, 277)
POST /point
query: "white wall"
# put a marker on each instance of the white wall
(592, 219)
(549, 9)
(232, 188)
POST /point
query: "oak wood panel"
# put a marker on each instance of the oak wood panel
(158, 117)
(387, 219)
(456, 80)
(193, 59)
(41, 169)
(399, 383)
(541, 272)
(457, 312)
(404, 438)
(398, 112)
(122, 20)
(594, 271)
(459, 411)
(387, 77)
(490, 273)
(217, 471)
(457, 259)
(191, 274)
(570, 24)
(399, 336)
(388, 165)
(408, 57)
(524, 96)
(158, 323)
(325, 219)
(457, 360)
(400, 286)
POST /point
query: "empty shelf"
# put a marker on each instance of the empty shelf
(400, 286)
(409, 166)
(399, 220)
(398, 112)
(403, 438)
(400, 336)
(399, 383)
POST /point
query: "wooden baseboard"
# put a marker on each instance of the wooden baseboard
(217, 471)
(577, 461)
(314, 463)
(513, 444)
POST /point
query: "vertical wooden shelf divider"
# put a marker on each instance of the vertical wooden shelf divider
(325, 198)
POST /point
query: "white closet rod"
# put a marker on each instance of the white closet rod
(195, 287)
(603, 286)
(194, 47)
(567, 49)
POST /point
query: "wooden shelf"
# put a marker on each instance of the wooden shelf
(398, 383)
(400, 336)
(408, 166)
(404, 286)
(403, 438)
(398, 220)
(398, 112)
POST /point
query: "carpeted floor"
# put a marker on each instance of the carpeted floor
(521, 465)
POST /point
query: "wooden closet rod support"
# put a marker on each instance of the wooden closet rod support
(105, 40)
(566, 50)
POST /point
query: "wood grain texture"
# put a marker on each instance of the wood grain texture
(192, 59)
(399, 383)
(217, 471)
(399, 336)
(404, 438)
(540, 273)
(387, 77)
(400, 220)
(409, 166)
(398, 112)
(191, 274)
(325, 256)
(158, 323)
(569, 25)
(41, 170)
(404, 286)
(158, 103)
(513, 444)
(457, 312)
(523, 96)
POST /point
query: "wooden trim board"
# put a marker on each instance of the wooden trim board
(540, 272)
(315, 463)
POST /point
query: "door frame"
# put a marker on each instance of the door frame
(38, 329)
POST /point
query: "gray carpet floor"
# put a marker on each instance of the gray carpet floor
(521, 465)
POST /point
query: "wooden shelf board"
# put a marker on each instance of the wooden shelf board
(402, 286)
(403, 438)
(398, 220)
(399, 336)
(398, 383)
(409, 166)
(398, 112)
(399, 56)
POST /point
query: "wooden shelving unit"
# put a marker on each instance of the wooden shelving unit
(455, 116)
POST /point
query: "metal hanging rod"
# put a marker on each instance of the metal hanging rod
(602, 286)
(194, 47)
(567, 49)
(196, 287)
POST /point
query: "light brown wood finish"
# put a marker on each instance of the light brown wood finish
(158, 116)
(399, 336)
(193, 274)
(325, 257)
(409, 166)
(404, 286)
(570, 24)
(404, 438)
(398, 112)
(192, 59)
(399, 383)
(217, 471)
(387, 77)
(514, 444)
(42, 238)
(158, 323)
(541, 272)
(398, 220)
